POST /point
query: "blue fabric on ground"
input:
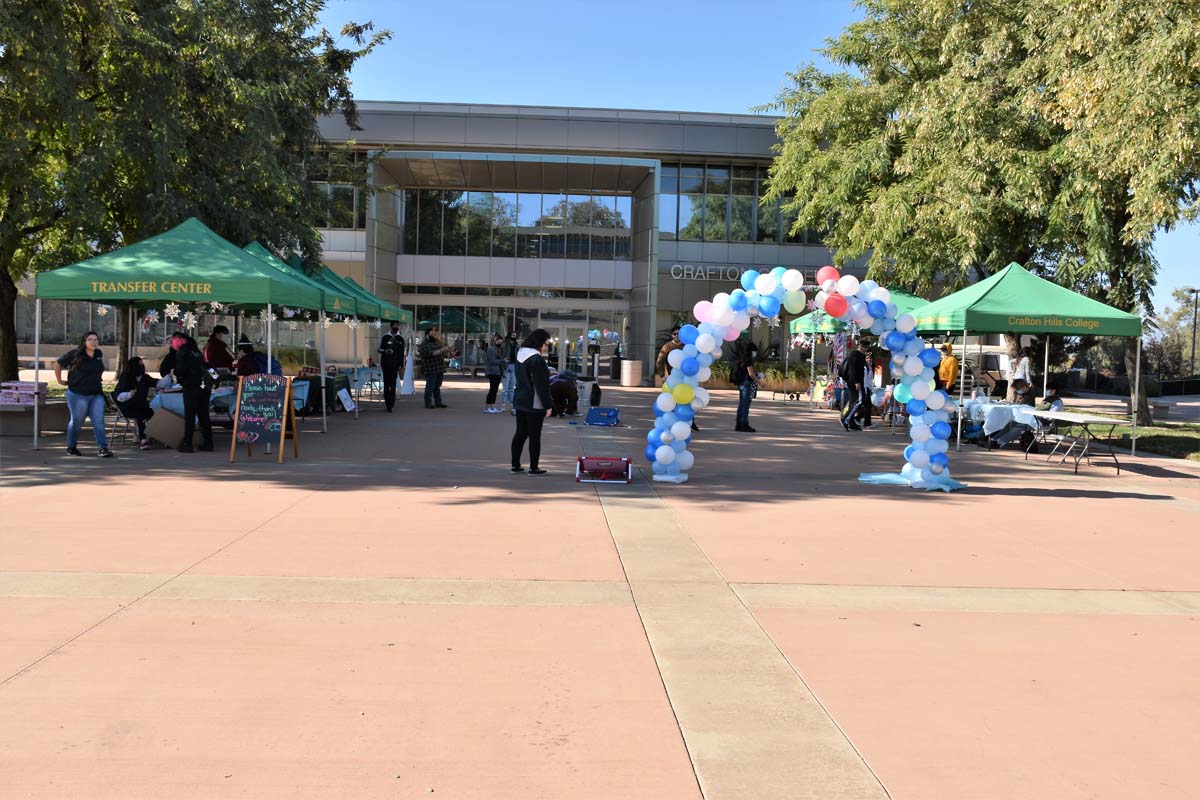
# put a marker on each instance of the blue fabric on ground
(942, 482)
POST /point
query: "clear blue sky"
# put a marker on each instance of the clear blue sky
(654, 54)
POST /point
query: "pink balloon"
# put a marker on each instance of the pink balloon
(731, 334)
(835, 305)
(703, 311)
(827, 274)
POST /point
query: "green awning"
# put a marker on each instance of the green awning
(1016, 300)
(187, 264)
(335, 299)
(369, 305)
(904, 301)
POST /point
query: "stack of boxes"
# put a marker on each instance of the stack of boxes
(22, 393)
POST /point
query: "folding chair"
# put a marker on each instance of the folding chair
(119, 418)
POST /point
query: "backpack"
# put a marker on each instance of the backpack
(260, 358)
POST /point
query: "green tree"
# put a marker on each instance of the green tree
(121, 118)
(1169, 348)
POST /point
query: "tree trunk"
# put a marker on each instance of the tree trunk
(1141, 401)
(8, 326)
(1013, 342)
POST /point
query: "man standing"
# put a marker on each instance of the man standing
(853, 373)
(391, 356)
(744, 377)
(662, 366)
(433, 354)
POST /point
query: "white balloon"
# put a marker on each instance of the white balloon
(720, 298)
(765, 284)
(913, 366)
(936, 469)
(847, 285)
(718, 334)
(704, 374)
(705, 343)
(913, 347)
(892, 310)
(936, 401)
(665, 437)
(920, 390)
(741, 321)
(927, 374)
(681, 429)
(870, 286)
(929, 417)
(905, 323)
(880, 293)
(937, 445)
(919, 459)
(722, 315)
(793, 280)
(675, 357)
(899, 358)
(685, 460)
(665, 402)
(858, 309)
(664, 454)
(701, 399)
(919, 433)
(819, 300)
(830, 286)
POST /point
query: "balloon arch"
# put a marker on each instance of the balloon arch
(863, 305)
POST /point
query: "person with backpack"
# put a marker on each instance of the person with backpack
(193, 375)
(744, 378)
(532, 400)
(853, 372)
(85, 396)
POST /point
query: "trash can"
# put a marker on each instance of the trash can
(631, 372)
(614, 368)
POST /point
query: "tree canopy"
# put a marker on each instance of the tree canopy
(121, 118)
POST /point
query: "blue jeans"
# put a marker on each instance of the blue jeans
(743, 407)
(510, 383)
(433, 389)
(81, 407)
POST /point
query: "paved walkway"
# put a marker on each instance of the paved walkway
(395, 615)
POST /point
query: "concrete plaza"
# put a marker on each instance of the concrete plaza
(396, 615)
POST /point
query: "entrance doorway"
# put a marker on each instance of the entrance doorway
(568, 348)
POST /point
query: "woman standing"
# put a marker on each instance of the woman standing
(531, 400)
(85, 396)
(744, 378)
(510, 373)
(491, 369)
(1020, 374)
(133, 388)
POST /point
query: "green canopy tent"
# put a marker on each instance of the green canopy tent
(1016, 300)
(187, 264)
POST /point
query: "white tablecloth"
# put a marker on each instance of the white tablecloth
(221, 400)
(995, 416)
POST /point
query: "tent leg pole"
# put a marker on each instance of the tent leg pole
(324, 416)
(270, 318)
(812, 375)
(1137, 394)
(962, 390)
(357, 383)
(1046, 368)
(37, 366)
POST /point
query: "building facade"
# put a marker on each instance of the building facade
(602, 226)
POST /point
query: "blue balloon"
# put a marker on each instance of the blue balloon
(769, 306)
(658, 412)
(908, 452)
(894, 341)
(679, 445)
(650, 449)
(673, 468)
(940, 430)
(911, 335)
(896, 367)
(878, 309)
(688, 334)
(940, 459)
(930, 357)
(669, 419)
(915, 407)
(654, 437)
(748, 279)
(737, 300)
(778, 272)
(705, 359)
(685, 412)
(659, 468)
(689, 366)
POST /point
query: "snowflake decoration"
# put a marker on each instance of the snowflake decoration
(264, 315)
(189, 320)
(216, 307)
(756, 322)
(289, 312)
(171, 311)
(102, 310)
(291, 326)
(326, 322)
(352, 323)
(378, 324)
(152, 316)
(307, 317)
(773, 322)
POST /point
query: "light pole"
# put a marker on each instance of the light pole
(1192, 364)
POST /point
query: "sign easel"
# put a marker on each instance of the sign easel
(264, 409)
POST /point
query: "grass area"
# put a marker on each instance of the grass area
(1173, 439)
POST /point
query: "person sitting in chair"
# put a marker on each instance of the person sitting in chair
(1015, 430)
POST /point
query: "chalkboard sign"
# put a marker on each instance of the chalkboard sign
(263, 414)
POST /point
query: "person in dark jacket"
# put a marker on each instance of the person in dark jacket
(564, 391)
(434, 352)
(85, 395)
(132, 393)
(494, 365)
(532, 400)
(854, 370)
(744, 378)
(391, 358)
(192, 374)
(247, 363)
(216, 352)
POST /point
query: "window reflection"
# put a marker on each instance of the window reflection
(624, 227)
(504, 224)
(429, 222)
(409, 212)
(479, 224)
(454, 223)
(529, 214)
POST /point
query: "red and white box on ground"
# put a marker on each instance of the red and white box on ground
(603, 469)
(22, 393)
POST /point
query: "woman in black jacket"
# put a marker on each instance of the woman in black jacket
(531, 400)
(132, 392)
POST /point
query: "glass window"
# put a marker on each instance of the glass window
(341, 206)
(409, 212)
(502, 291)
(504, 224)
(477, 291)
(691, 216)
(788, 218)
(624, 218)
(578, 223)
(741, 219)
(716, 212)
(426, 316)
(429, 222)
(529, 215)
(525, 320)
(743, 173)
(408, 290)
(691, 179)
(668, 215)
(552, 223)
(576, 294)
(768, 222)
(623, 231)
(479, 224)
(429, 290)
(812, 236)
(454, 223)
(454, 290)
(718, 180)
(361, 200)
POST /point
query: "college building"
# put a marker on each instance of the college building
(602, 226)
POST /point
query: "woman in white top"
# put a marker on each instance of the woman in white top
(1021, 373)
